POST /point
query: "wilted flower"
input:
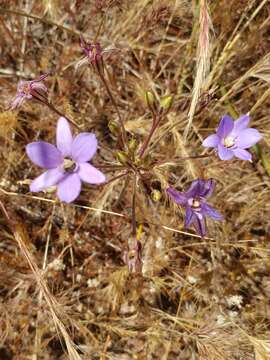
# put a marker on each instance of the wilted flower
(93, 52)
(194, 201)
(133, 258)
(27, 90)
(233, 138)
(67, 164)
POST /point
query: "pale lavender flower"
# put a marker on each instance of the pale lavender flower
(27, 90)
(233, 138)
(67, 163)
(194, 201)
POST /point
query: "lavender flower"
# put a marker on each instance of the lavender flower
(26, 90)
(194, 201)
(67, 164)
(233, 138)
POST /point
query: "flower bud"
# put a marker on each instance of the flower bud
(155, 195)
(132, 145)
(114, 127)
(122, 157)
(166, 103)
(150, 100)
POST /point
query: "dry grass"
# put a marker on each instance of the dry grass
(65, 290)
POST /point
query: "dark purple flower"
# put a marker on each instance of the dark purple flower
(233, 138)
(67, 164)
(27, 90)
(194, 201)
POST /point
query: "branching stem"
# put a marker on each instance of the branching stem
(155, 124)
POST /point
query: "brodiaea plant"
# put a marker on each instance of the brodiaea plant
(67, 164)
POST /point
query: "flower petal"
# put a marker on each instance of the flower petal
(84, 147)
(224, 153)
(240, 124)
(177, 196)
(194, 189)
(69, 188)
(89, 174)
(64, 137)
(242, 154)
(211, 141)
(248, 138)
(199, 224)
(225, 126)
(189, 217)
(17, 102)
(211, 212)
(44, 154)
(47, 179)
(207, 187)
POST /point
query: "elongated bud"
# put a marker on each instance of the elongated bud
(150, 100)
(114, 127)
(122, 157)
(155, 195)
(166, 103)
(133, 145)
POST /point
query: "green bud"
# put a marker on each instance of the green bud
(166, 102)
(122, 157)
(156, 195)
(132, 145)
(113, 127)
(150, 100)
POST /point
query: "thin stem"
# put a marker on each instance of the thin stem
(109, 167)
(115, 178)
(156, 122)
(44, 101)
(134, 223)
(51, 106)
(123, 131)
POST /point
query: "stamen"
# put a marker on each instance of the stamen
(69, 165)
(228, 142)
(195, 203)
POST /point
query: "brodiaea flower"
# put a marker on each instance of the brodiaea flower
(194, 201)
(67, 164)
(233, 138)
(26, 90)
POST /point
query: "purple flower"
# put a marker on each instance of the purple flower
(67, 164)
(194, 201)
(26, 90)
(233, 138)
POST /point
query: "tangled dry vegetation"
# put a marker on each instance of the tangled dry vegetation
(65, 291)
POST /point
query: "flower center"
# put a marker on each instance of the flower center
(69, 165)
(228, 142)
(194, 203)
(25, 89)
